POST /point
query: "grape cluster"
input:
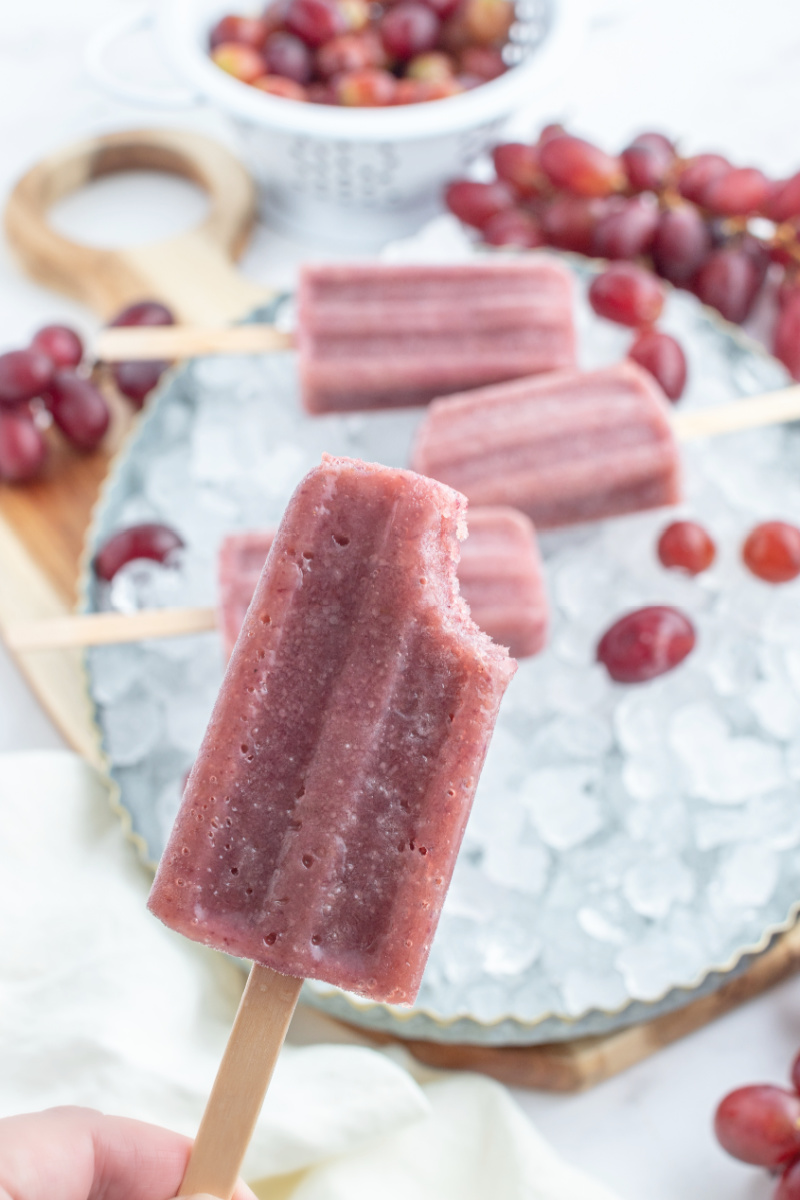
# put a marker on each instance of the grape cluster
(46, 385)
(700, 223)
(760, 1124)
(365, 55)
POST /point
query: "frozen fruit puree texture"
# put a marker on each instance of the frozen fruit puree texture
(567, 447)
(499, 575)
(376, 335)
(322, 819)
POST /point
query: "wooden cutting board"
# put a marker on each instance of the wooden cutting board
(42, 525)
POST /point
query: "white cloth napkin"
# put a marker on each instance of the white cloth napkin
(101, 1005)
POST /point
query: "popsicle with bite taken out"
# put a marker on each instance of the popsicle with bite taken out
(321, 821)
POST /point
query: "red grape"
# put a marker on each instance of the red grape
(321, 93)
(772, 552)
(443, 8)
(513, 227)
(22, 448)
(698, 172)
(370, 88)
(287, 55)
(663, 357)
(137, 541)
(136, 379)
(249, 31)
(648, 161)
(759, 1124)
(241, 61)
(627, 229)
(786, 343)
(646, 643)
(586, 170)
(686, 546)
(738, 192)
(476, 203)
(627, 294)
(408, 29)
(569, 222)
(518, 164)
(315, 21)
(431, 67)
(681, 244)
(79, 409)
(23, 375)
(789, 1184)
(350, 52)
(415, 91)
(487, 21)
(784, 203)
(550, 131)
(729, 280)
(61, 344)
(275, 85)
(484, 63)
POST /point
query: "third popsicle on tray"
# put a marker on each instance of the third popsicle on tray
(566, 447)
(322, 818)
(499, 575)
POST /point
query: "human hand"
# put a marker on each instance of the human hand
(80, 1154)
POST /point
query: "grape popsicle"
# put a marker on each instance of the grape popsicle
(499, 575)
(322, 819)
(567, 447)
(381, 335)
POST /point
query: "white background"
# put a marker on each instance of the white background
(718, 76)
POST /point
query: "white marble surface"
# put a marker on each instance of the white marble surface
(718, 76)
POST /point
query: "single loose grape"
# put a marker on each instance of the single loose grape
(760, 1124)
(646, 643)
(772, 551)
(149, 540)
(686, 546)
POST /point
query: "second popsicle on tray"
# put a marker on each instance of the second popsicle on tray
(321, 821)
(566, 447)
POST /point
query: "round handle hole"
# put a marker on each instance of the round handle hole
(130, 208)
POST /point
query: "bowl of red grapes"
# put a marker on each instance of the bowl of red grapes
(353, 114)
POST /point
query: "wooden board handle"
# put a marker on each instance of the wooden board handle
(192, 273)
(243, 1077)
(126, 344)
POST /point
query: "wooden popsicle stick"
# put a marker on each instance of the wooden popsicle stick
(130, 343)
(107, 628)
(255, 1041)
(770, 408)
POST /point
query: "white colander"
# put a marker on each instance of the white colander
(350, 175)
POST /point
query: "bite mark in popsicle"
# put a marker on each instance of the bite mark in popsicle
(500, 577)
(380, 335)
(567, 447)
(323, 816)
